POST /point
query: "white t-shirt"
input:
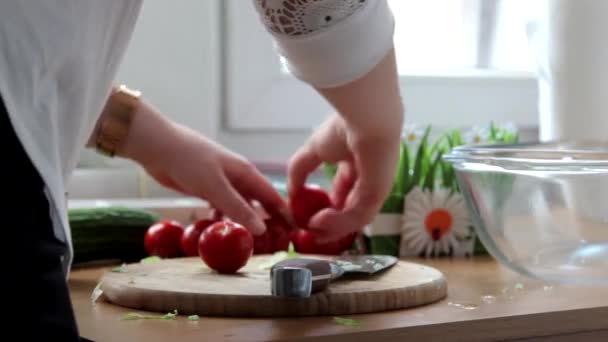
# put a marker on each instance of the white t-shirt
(58, 60)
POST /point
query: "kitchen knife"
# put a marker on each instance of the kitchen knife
(302, 277)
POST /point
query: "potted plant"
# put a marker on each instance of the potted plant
(425, 215)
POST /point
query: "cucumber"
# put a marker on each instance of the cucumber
(109, 233)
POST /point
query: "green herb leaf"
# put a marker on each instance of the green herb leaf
(280, 256)
(121, 269)
(135, 316)
(349, 322)
(291, 251)
(151, 259)
(193, 318)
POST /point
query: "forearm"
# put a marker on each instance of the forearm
(346, 53)
(372, 105)
(145, 129)
(149, 135)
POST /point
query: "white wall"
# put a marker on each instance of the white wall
(173, 59)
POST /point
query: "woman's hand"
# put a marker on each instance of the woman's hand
(182, 159)
(363, 139)
(366, 169)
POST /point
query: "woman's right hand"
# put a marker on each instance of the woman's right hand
(363, 139)
(366, 169)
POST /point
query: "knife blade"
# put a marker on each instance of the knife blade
(302, 277)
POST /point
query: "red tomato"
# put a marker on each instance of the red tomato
(306, 202)
(225, 246)
(279, 236)
(163, 239)
(305, 241)
(189, 240)
(262, 244)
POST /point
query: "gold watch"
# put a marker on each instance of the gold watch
(116, 119)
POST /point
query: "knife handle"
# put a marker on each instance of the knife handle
(301, 277)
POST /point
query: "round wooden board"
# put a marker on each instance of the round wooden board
(188, 286)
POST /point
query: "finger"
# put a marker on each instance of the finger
(225, 198)
(375, 174)
(304, 162)
(252, 184)
(342, 184)
(332, 224)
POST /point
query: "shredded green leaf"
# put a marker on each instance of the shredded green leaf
(349, 322)
(134, 316)
(193, 318)
(280, 256)
(291, 251)
(121, 269)
(150, 259)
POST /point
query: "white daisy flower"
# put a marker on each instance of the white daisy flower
(433, 223)
(412, 134)
(477, 135)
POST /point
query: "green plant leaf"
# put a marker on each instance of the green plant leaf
(492, 131)
(393, 204)
(405, 156)
(330, 170)
(450, 140)
(349, 322)
(385, 244)
(420, 158)
(457, 137)
(400, 176)
(429, 182)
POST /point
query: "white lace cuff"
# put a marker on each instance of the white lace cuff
(327, 53)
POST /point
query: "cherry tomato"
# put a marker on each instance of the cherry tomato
(306, 202)
(189, 240)
(163, 239)
(262, 244)
(305, 241)
(225, 246)
(279, 236)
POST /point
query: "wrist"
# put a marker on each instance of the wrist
(149, 136)
(114, 123)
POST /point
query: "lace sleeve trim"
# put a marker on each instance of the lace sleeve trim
(301, 17)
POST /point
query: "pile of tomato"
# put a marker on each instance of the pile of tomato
(226, 246)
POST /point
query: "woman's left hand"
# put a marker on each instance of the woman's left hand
(183, 159)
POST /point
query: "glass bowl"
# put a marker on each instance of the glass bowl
(540, 208)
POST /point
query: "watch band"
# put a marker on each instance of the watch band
(116, 120)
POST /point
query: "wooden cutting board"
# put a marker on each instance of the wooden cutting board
(188, 286)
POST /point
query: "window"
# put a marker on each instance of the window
(461, 62)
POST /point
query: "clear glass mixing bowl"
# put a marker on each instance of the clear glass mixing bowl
(542, 208)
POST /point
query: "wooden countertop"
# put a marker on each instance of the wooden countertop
(486, 302)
